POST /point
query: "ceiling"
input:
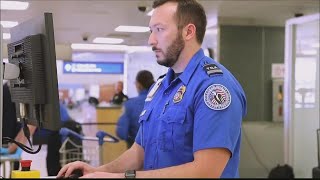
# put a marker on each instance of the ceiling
(75, 19)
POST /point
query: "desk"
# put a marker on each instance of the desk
(110, 115)
(8, 158)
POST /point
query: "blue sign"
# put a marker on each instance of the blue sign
(92, 68)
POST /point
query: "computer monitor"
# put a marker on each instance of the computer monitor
(35, 91)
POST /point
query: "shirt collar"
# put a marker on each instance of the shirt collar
(188, 71)
(192, 65)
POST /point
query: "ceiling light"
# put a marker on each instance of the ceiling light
(132, 49)
(150, 12)
(14, 5)
(99, 47)
(132, 29)
(107, 47)
(107, 40)
(8, 24)
(6, 36)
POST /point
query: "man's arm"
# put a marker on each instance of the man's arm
(208, 163)
(132, 159)
(21, 138)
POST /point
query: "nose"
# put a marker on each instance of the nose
(152, 39)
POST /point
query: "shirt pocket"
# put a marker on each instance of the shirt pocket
(172, 133)
(144, 116)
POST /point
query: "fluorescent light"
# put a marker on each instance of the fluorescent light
(6, 36)
(14, 5)
(132, 49)
(108, 40)
(8, 24)
(99, 47)
(132, 29)
(150, 12)
(107, 47)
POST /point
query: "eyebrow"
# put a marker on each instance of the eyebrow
(157, 24)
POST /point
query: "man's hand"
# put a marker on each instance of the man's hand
(68, 169)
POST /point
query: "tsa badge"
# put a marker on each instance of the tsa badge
(217, 97)
(179, 94)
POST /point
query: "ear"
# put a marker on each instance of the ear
(189, 32)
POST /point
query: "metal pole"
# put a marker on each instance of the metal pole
(1, 80)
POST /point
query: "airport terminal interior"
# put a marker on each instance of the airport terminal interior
(270, 46)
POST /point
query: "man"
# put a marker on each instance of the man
(191, 122)
(128, 125)
(119, 97)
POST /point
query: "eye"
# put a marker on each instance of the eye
(159, 29)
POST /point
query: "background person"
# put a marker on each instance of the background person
(128, 125)
(119, 97)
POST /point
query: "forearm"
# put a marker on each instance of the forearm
(188, 170)
(131, 159)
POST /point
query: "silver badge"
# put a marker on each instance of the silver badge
(217, 97)
(153, 90)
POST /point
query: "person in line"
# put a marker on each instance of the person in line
(190, 125)
(119, 97)
(128, 125)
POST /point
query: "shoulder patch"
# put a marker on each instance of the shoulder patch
(217, 97)
(212, 69)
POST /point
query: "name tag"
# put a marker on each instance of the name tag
(154, 90)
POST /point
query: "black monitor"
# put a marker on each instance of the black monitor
(35, 91)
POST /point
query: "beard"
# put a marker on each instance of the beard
(172, 53)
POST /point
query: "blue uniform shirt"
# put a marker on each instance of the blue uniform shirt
(128, 125)
(64, 115)
(202, 108)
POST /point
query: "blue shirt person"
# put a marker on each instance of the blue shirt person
(200, 109)
(128, 125)
(190, 126)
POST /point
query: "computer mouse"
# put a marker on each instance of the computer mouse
(76, 174)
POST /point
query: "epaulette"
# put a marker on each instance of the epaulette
(162, 76)
(212, 69)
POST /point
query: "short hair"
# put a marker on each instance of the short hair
(188, 11)
(145, 78)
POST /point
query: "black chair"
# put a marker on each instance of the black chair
(316, 170)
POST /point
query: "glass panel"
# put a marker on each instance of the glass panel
(306, 98)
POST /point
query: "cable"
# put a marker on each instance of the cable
(22, 146)
(254, 152)
(27, 133)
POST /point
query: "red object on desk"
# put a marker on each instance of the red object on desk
(25, 165)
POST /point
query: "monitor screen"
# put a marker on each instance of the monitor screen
(35, 91)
